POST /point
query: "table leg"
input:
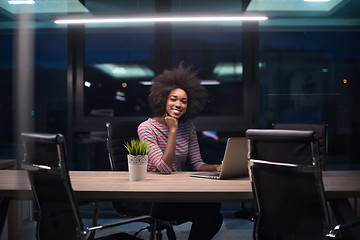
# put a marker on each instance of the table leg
(13, 227)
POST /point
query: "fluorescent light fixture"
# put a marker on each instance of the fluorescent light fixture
(203, 82)
(21, 2)
(146, 83)
(228, 69)
(210, 82)
(43, 7)
(86, 19)
(125, 71)
(302, 8)
(316, 0)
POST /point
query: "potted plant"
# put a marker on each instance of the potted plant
(137, 159)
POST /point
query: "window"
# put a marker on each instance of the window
(120, 64)
(312, 77)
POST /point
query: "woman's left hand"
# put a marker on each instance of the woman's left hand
(210, 167)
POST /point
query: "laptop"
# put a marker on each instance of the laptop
(235, 162)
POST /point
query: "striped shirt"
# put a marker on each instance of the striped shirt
(187, 146)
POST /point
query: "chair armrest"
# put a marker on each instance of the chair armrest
(35, 167)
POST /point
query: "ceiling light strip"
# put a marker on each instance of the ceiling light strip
(316, 0)
(203, 82)
(21, 2)
(159, 19)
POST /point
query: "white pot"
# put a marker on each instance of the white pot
(137, 167)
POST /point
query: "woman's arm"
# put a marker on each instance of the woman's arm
(147, 133)
(169, 153)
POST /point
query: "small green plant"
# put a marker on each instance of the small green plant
(137, 147)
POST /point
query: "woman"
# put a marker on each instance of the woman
(176, 97)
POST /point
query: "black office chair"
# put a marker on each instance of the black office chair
(118, 133)
(287, 146)
(58, 214)
(4, 205)
(321, 135)
(290, 201)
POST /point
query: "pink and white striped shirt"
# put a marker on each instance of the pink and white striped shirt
(187, 146)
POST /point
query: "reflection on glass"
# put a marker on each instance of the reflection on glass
(311, 77)
(119, 67)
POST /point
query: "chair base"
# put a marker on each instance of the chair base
(117, 236)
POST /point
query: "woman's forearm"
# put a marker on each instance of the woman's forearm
(169, 153)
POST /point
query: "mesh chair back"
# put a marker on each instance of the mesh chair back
(290, 201)
(287, 146)
(118, 133)
(321, 134)
(45, 162)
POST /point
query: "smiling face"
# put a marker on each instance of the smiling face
(177, 103)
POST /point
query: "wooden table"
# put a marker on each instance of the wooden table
(7, 164)
(108, 185)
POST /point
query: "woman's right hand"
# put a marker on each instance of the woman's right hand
(169, 153)
(171, 122)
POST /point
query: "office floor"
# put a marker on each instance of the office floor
(232, 228)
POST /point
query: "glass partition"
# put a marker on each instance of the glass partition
(119, 67)
(312, 76)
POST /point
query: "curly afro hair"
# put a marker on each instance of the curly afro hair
(181, 77)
